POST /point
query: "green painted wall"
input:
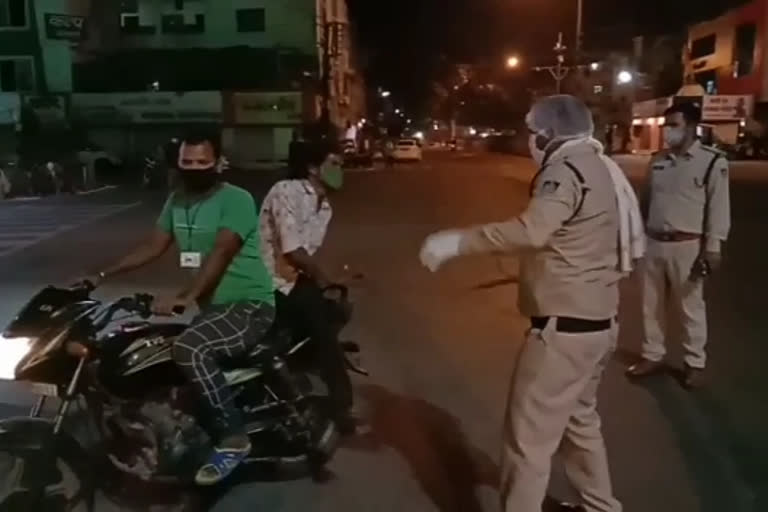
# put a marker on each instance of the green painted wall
(18, 42)
(289, 23)
(56, 53)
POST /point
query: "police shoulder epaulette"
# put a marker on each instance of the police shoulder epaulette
(713, 150)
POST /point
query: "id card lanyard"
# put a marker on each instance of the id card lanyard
(190, 259)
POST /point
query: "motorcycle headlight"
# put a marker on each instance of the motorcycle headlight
(12, 351)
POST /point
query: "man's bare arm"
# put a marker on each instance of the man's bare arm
(146, 252)
(307, 264)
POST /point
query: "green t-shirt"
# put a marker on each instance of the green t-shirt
(195, 227)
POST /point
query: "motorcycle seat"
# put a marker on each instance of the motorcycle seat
(276, 342)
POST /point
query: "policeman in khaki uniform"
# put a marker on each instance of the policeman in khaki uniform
(567, 243)
(688, 218)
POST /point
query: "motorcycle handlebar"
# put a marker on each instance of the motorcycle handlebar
(141, 303)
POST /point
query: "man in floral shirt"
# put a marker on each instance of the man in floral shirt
(293, 223)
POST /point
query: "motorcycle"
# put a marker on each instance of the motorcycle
(68, 345)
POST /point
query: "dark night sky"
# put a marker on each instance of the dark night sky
(404, 39)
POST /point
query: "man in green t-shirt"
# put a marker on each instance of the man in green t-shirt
(215, 227)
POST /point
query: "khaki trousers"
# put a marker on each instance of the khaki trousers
(552, 406)
(667, 282)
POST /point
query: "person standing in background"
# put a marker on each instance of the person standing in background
(688, 219)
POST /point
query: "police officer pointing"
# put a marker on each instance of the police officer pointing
(688, 218)
(568, 247)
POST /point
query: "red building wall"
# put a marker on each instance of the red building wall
(722, 61)
(754, 12)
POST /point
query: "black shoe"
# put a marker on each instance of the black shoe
(569, 507)
(552, 505)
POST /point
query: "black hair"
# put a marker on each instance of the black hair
(319, 151)
(312, 154)
(198, 136)
(691, 112)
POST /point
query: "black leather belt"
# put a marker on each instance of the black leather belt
(673, 236)
(572, 325)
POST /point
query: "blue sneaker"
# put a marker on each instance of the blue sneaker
(221, 464)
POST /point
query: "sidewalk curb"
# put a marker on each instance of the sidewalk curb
(96, 190)
(25, 199)
(22, 199)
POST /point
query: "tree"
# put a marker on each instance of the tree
(663, 64)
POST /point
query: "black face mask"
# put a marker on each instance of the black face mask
(198, 181)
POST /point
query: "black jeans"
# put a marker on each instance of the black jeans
(307, 312)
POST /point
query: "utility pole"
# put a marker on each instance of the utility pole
(559, 71)
(325, 116)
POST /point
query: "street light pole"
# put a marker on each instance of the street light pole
(579, 24)
(559, 71)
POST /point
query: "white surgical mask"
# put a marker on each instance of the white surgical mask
(536, 153)
(674, 135)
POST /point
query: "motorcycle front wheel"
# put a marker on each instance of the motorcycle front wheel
(70, 492)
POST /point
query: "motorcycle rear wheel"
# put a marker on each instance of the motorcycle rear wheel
(73, 493)
(325, 437)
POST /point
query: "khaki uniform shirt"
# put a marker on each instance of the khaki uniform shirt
(567, 239)
(677, 194)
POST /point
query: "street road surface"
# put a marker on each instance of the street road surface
(441, 348)
(24, 224)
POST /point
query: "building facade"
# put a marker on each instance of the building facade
(725, 71)
(726, 55)
(125, 71)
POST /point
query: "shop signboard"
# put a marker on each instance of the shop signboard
(266, 108)
(727, 107)
(148, 108)
(65, 27)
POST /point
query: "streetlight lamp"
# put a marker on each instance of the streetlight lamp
(513, 61)
(624, 77)
(385, 94)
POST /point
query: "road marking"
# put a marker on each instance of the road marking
(24, 226)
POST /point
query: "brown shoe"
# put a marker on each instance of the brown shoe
(645, 368)
(693, 378)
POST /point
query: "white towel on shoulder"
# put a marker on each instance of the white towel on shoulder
(631, 235)
(631, 227)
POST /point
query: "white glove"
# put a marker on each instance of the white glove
(440, 247)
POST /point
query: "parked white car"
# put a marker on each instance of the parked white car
(407, 149)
